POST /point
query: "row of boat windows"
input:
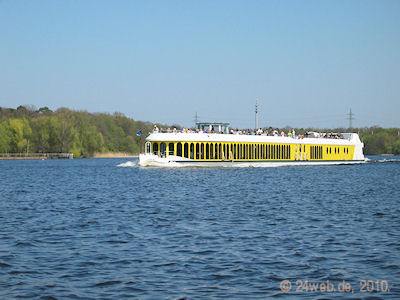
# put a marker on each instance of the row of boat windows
(224, 151)
(316, 152)
(232, 151)
(337, 150)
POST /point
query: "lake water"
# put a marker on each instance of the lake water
(107, 229)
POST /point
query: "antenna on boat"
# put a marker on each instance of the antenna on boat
(256, 113)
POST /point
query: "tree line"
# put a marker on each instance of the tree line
(27, 129)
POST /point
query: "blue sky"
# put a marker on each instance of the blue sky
(307, 62)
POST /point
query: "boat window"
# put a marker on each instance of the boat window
(147, 147)
(163, 149)
(155, 148)
(216, 150)
(179, 149)
(211, 151)
(225, 156)
(191, 151)
(207, 151)
(186, 150)
(171, 149)
(202, 150)
(265, 151)
(197, 151)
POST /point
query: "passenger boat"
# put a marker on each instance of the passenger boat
(213, 144)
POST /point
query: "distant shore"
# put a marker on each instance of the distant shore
(114, 155)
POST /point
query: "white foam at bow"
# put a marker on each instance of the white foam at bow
(128, 164)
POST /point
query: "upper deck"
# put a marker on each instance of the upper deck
(179, 136)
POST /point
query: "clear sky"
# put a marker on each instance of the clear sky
(307, 62)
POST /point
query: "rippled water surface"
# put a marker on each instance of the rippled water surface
(104, 228)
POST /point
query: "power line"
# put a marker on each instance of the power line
(256, 114)
(196, 119)
(350, 114)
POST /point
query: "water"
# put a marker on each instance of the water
(107, 229)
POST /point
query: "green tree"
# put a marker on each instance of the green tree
(92, 141)
(41, 130)
(396, 147)
(5, 137)
(21, 134)
(64, 129)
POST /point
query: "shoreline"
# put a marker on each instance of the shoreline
(114, 155)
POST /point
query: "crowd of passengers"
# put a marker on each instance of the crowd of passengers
(260, 131)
